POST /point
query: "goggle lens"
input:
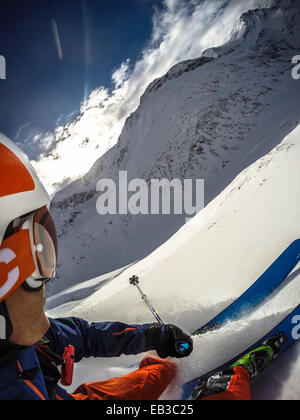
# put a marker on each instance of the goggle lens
(45, 242)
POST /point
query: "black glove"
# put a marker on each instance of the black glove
(169, 341)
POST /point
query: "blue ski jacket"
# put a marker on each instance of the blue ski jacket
(23, 378)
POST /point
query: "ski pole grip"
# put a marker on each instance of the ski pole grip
(134, 280)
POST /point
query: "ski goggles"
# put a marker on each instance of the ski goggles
(43, 242)
(29, 253)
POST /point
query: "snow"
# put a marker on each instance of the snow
(230, 117)
(206, 265)
(205, 119)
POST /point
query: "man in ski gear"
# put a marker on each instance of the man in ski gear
(32, 347)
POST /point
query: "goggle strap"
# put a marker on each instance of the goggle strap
(16, 261)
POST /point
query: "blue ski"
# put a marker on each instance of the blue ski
(267, 283)
(290, 326)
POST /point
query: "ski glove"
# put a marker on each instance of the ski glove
(169, 341)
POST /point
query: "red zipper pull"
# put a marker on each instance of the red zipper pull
(67, 368)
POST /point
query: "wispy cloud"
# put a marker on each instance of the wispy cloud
(182, 30)
(57, 39)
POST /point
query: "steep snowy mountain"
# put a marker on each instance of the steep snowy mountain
(207, 118)
(207, 264)
(276, 24)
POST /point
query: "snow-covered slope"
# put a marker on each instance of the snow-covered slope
(205, 265)
(207, 118)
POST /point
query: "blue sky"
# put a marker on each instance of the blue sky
(44, 82)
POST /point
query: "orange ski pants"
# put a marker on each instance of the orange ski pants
(151, 380)
(147, 383)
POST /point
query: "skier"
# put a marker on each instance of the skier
(33, 346)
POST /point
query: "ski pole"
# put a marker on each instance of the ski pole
(135, 282)
(181, 346)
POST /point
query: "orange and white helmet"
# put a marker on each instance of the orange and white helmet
(27, 232)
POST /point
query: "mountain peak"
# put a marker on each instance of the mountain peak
(274, 23)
